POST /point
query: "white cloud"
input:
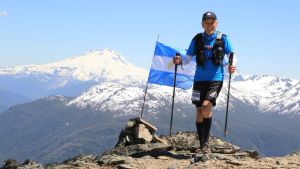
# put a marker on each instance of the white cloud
(3, 13)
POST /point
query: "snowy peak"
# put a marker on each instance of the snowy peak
(268, 94)
(93, 58)
(94, 65)
(265, 92)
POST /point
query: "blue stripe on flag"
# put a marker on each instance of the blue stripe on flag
(167, 79)
(163, 50)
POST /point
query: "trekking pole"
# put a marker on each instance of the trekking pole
(170, 133)
(228, 95)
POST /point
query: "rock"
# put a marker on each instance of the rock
(122, 142)
(137, 148)
(183, 141)
(224, 148)
(163, 157)
(137, 131)
(112, 160)
(240, 155)
(130, 124)
(297, 152)
(188, 141)
(149, 126)
(219, 156)
(141, 132)
(10, 164)
(165, 152)
(157, 139)
(282, 162)
(80, 159)
(130, 139)
(235, 162)
(147, 157)
(126, 166)
(122, 138)
(28, 164)
(252, 153)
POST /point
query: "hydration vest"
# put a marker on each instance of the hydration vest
(217, 49)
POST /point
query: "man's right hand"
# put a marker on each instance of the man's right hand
(177, 60)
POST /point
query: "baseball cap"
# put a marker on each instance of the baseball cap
(209, 15)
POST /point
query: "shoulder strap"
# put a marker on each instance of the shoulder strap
(199, 48)
(199, 45)
(219, 42)
(219, 35)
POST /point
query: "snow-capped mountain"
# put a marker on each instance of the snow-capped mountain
(94, 65)
(70, 76)
(104, 89)
(269, 94)
(104, 80)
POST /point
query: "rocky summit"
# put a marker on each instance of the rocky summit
(139, 147)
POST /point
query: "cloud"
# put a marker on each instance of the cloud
(3, 13)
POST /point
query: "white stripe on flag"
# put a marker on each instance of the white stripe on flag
(166, 64)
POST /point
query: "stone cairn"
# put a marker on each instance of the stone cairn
(138, 131)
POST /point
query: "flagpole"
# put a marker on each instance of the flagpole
(146, 89)
(173, 97)
(144, 99)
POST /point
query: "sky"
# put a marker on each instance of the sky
(264, 34)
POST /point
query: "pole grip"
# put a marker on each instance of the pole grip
(177, 54)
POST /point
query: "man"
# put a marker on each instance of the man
(209, 48)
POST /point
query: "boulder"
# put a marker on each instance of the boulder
(149, 126)
(141, 132)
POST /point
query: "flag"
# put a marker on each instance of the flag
(162, 68)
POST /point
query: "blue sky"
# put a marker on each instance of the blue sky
(263, 33)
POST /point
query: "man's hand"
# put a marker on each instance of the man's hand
(177, 60)
(231, 69)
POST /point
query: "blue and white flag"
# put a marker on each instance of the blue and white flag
(163, 69)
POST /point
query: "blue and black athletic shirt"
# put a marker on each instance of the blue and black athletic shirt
(210, 72)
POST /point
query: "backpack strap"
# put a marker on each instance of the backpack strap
(218, 42)
(218, 49)
(199, 44)
(219, 35)
(199, 49)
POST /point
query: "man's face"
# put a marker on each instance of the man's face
(209, 25)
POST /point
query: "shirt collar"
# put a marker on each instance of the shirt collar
(212, 36)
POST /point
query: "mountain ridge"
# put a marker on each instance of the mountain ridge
(263, 112)
(176, 151)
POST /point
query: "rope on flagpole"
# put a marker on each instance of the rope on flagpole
(146, 89)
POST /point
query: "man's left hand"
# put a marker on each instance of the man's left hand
(231, 69)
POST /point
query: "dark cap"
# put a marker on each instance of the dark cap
(209, 15)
